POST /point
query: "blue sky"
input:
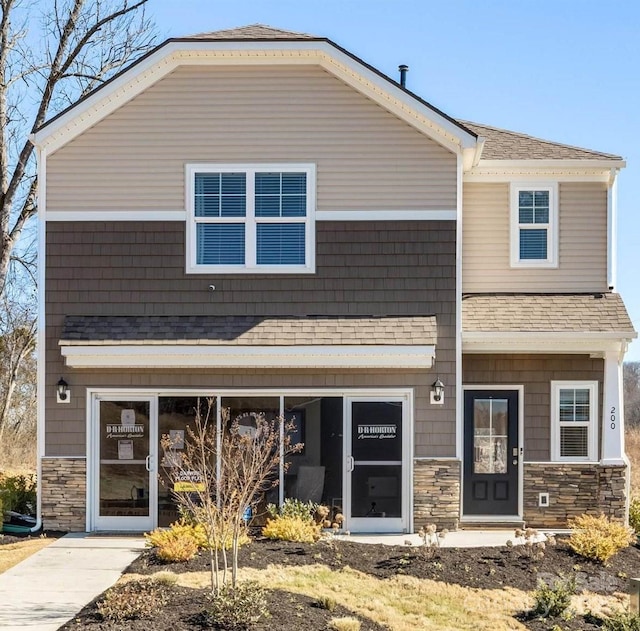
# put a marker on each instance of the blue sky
(565, 70)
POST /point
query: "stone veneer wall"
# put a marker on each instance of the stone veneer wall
(573, 489)
(436, 493)
(64, 482)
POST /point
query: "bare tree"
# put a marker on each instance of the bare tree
(221, 474)
(631, 381)
(18, 359)
(51, 54)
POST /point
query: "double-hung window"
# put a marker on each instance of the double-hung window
(574, 420)
(250, 218)
(534, 221)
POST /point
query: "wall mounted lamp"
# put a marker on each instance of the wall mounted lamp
(437, 392)
(63, 392)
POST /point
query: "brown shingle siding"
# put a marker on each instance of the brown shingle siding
(535, 373)
(360, 273)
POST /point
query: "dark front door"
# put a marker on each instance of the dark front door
(491, 456)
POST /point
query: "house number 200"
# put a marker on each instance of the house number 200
(612, 418)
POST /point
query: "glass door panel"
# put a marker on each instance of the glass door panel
(126, 486)
(376, 489)
(491, 453)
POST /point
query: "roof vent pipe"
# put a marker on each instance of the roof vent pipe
(403, 68)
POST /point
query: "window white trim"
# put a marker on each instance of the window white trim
(250, 220)
(592, 424)
(552, 227)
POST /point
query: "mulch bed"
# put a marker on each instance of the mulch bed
(486, 568)
(288, 611)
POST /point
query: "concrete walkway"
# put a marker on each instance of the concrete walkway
(51, 586)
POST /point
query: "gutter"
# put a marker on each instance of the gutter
(40, 344)
(612, 229)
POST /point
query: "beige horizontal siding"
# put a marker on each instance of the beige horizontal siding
(582, 241)
(366, 158)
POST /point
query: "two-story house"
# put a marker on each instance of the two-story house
(260, 218)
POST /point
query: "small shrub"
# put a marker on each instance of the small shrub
(534, 551)
(345, 624)
(182, 540)
(634, 515)
(288, 528)
(236, 608)
(598, 538)
(133, 600)
(177, 550)
(178, 529)
(178, 543)
(165, 578)
(554, 600)
(18, 493)
(621, 621)
(293, 507)
(326, 602)
(322, 513)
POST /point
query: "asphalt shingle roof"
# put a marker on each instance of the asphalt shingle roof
(253, 31)
(545, 313)
(250, 330)
(502, 144)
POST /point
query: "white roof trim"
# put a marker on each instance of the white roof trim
(544, 342)
(216, 356)
(558, 170)
(176, 53)
(558, 163)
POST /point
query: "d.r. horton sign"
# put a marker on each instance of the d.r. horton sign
(377, 431)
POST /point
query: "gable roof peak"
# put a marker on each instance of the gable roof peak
(252, 32)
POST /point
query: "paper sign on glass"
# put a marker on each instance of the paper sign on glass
(125, 450)
(176, 436)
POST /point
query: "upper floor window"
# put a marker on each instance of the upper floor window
(574, 417)
(534, 221)
(250, 218)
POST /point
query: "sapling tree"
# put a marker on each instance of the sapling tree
(220, 473)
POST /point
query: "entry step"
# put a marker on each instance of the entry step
(491, 525)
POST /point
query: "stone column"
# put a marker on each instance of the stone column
(613, 411)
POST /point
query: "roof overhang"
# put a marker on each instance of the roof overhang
(174, 53)
(569, 170)
(241, 356)
(592, 343)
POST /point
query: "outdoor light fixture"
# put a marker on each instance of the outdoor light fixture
(63, 393)
(437, 392)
